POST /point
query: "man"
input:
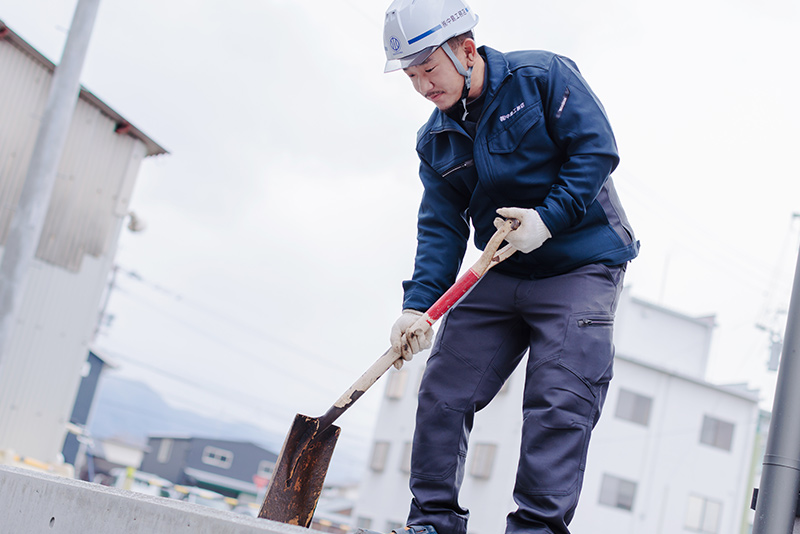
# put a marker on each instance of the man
(517, 135)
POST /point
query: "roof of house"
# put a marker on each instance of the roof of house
(123, 126)
(184, 437)
(705, 320)
(737, 390)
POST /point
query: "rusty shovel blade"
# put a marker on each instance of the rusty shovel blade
(299, 474)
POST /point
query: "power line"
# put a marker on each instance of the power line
(770, 282)
(229, 396)
(237, 397)
(214, 314)
(686, 226)
(309, 381)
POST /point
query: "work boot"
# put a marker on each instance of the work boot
(413, 529)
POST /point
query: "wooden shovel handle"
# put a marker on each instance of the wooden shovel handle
(490, 257)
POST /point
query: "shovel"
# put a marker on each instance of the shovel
(302, 464)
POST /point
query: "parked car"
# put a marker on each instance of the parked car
(140, 482)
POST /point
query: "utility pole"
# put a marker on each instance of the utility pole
(28, 221)
(776, 506)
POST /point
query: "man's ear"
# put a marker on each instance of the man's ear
(470, 51)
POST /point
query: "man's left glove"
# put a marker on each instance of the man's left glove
(532, 231)
(414, 341)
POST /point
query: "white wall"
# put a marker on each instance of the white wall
(663, 337)
(665, 458)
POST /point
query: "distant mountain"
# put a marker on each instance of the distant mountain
(130, 411)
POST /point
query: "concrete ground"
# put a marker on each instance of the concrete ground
(37, 503)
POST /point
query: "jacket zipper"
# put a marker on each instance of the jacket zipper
(468, 163)
(595, 322)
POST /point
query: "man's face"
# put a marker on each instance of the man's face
(437, 79)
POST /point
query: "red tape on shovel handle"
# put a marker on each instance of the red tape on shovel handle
(490, 257)
(453, 295)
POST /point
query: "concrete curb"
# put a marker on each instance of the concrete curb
(37, 503)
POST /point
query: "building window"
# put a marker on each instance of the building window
(380, 450)
(396, 385)
(633, 407)
(702, 515)
(217, 457)
(617, 492)
(265, 468)
(717, 433)
(164, 451)
(364, 522)
(482, 460)
(405, 461)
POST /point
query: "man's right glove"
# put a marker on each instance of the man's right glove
(413, 342)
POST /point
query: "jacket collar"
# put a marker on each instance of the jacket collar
(497, 71)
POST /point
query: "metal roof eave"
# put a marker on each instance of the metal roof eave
(735, 390)
(221, 481)
(123, 126)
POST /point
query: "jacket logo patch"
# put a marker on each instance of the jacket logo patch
(563, 103)
(510, 114)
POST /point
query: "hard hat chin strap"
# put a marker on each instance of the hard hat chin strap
(466, 73)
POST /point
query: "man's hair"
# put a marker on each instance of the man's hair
(458, 40)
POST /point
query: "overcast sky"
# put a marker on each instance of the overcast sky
(281, 224)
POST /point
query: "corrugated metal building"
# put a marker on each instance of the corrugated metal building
(42, 369)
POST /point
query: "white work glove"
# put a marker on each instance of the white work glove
(532, 232)
(413, 342)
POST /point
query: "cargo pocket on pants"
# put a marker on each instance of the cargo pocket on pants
(589, 347)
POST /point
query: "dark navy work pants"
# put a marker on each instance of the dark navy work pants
(566, 323)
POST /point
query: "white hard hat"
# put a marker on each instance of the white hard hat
(414, 29)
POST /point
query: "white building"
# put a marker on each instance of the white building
(672, 453)
(41, 368)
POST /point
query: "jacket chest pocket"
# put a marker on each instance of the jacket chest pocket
(510, 132)
(523, 160)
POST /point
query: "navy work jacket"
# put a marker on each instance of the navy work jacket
(542, 141)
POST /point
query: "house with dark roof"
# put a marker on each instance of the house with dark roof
(236, 469)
